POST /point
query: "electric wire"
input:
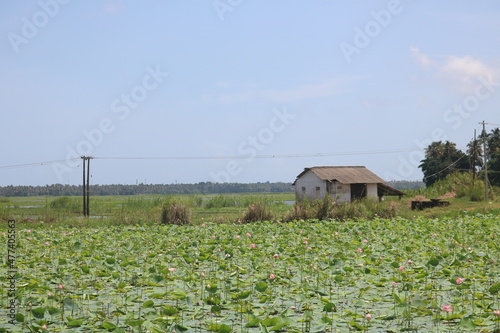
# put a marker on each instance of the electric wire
(226, 157)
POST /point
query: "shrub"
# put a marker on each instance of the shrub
(324, 208)
(175, 212)
(300, 210)
(66, 203)
(257, 211)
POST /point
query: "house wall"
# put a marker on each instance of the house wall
(311, 187)
(306, 187)
(372, 191)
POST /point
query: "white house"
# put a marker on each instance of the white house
(342, 183)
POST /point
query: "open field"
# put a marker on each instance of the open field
(415, 275)
(431, 271)
(221, 208)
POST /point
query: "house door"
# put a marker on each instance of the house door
(358, 191)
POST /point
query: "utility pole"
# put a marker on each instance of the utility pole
(83, 188)
(86, 185)
(485, 162)
(474, 157)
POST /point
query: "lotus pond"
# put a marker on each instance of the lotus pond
(378, 275)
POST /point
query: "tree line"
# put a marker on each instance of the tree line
(443, 158)
(120, 189)
(198, 188)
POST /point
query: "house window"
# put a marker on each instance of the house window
(303, 190)
(317, 190)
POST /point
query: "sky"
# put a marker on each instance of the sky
(166, 91)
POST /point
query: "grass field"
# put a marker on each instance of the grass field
(121, 271)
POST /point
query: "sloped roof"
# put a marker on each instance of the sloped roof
(344, 174)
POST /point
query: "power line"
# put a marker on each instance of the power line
(36, 164)
(449, 166)
(225, 157)
(222, 157)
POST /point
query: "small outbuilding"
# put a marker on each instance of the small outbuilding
(342, 183)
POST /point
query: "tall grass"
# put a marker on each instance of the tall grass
(328, 209)
(175, 212)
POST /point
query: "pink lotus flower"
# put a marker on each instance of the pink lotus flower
(60, 286)
(359, 250)
(410, 262)
(237, 236)
(365, 240)
(172, 269)
(309, 247)
(272, 276)
(496, 313)
(394, 284)
(447, 308)
(401, 268)
(336, 233)
(252, 246)
(276, 256)
(249, 234)
(368, 316)
(459, 280)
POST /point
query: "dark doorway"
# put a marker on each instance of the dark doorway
(358, 191)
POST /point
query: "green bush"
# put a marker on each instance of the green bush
(68, 203)
(464, 184)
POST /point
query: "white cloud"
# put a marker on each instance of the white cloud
(421, 58)
(460, 72)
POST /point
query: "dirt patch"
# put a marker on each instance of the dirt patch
(419, 198)
(448, 195)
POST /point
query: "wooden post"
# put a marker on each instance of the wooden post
(83, 187)
(88, 185)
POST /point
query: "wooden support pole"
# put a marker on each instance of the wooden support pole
(88, 185)
(83, 188)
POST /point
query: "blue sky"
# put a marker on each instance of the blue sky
(239, 90)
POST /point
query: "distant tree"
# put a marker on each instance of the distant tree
(492, 154)
(475, 153)
(442, 159)
(494, 169)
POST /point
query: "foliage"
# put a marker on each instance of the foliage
(428, 275)
(464, 185)
(220, 201)
(120, 189)
(66, 203)
(328, 209)
(257, 211)
(442, 159)
(494, 169)
(175, 212)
